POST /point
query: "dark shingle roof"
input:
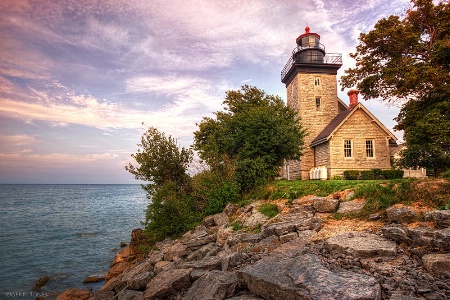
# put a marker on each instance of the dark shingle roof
(323, 136)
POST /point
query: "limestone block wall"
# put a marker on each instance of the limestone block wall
(358, 128)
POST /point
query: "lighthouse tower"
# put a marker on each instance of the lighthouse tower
(311, 86)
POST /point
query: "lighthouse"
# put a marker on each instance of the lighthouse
(311, 87)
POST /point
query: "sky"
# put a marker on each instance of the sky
(79, 77)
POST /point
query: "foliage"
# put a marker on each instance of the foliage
(445, 207)
(404, 58)
(408, 61)
(351, 174)
(170, 213)
(159, 161)
(426, 126)
(268, 209)
(256, 132)
(446, 175)
(372, 174)
(211, 191)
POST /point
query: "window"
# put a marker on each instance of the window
(318, 103)
(347, 148)
(369, 148)
(316, 81)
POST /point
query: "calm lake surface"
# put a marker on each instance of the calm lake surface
(66, 232)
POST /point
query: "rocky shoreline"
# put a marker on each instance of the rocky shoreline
(302, 253)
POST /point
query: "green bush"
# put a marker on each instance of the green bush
(351, 174)
(367, 175)
(446, 175)
(393, 174)
(373, 174)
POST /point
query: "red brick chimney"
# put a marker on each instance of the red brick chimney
(353, 95)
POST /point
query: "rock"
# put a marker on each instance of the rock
(130, 295)
(168, 283)
(360, 244)
(74, 294)
(255, 219)
(442, 239)
(307, 235)
(207, 263)
(162, 266)
(103, 295)
(40, 283)
(396, 234)
(246, 297)
(222, 235)
(243, 238)
(397, 296)
(288, 237)
(325, 205)
(140, 280)
(198, 242)
(175, 252)
(438, 264)
(421, 236)
(268, 244)
(216, 220)
(354, 206)
(230, 209)
(115, 283)
(233, 260)
(304, 277)
(278, 229)
(440, 217)
(401, 214)
(123, 244)
(207, 250)
(214, 285)
(94, 278)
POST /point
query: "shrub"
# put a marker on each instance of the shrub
(393, 174)
(351, 174)
(378, 174)
(446, 175)
(367, 175)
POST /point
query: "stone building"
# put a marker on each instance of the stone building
(339, 137)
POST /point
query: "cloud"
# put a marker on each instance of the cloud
(17, 140)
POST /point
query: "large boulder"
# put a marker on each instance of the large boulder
(214, 285)
(401, 214)
(354, 206)
(325, 205)
(360, 244)
(442, 239)
(440, 217)
(397, 234)
(74, 294)
(168, 283)
(304, 277)
(437, 263)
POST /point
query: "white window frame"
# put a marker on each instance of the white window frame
(373, 148)
(346, 149)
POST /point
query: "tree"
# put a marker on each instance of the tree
(407, 61)
(160, 161)
(404, 59)
(256, 132)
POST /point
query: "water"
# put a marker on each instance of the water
(66, 232)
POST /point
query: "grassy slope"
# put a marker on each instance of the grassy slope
(380, 194)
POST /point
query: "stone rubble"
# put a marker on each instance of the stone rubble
(285, 258)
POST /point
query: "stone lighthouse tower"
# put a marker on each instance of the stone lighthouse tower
(311, 86)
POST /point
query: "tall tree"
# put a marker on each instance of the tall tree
(407, 61)
(255, 132)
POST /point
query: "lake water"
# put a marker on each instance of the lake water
(66, 232)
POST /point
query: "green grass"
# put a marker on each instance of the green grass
(293, 189)
(268, 209)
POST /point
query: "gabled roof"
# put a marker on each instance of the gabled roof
(340, 119)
